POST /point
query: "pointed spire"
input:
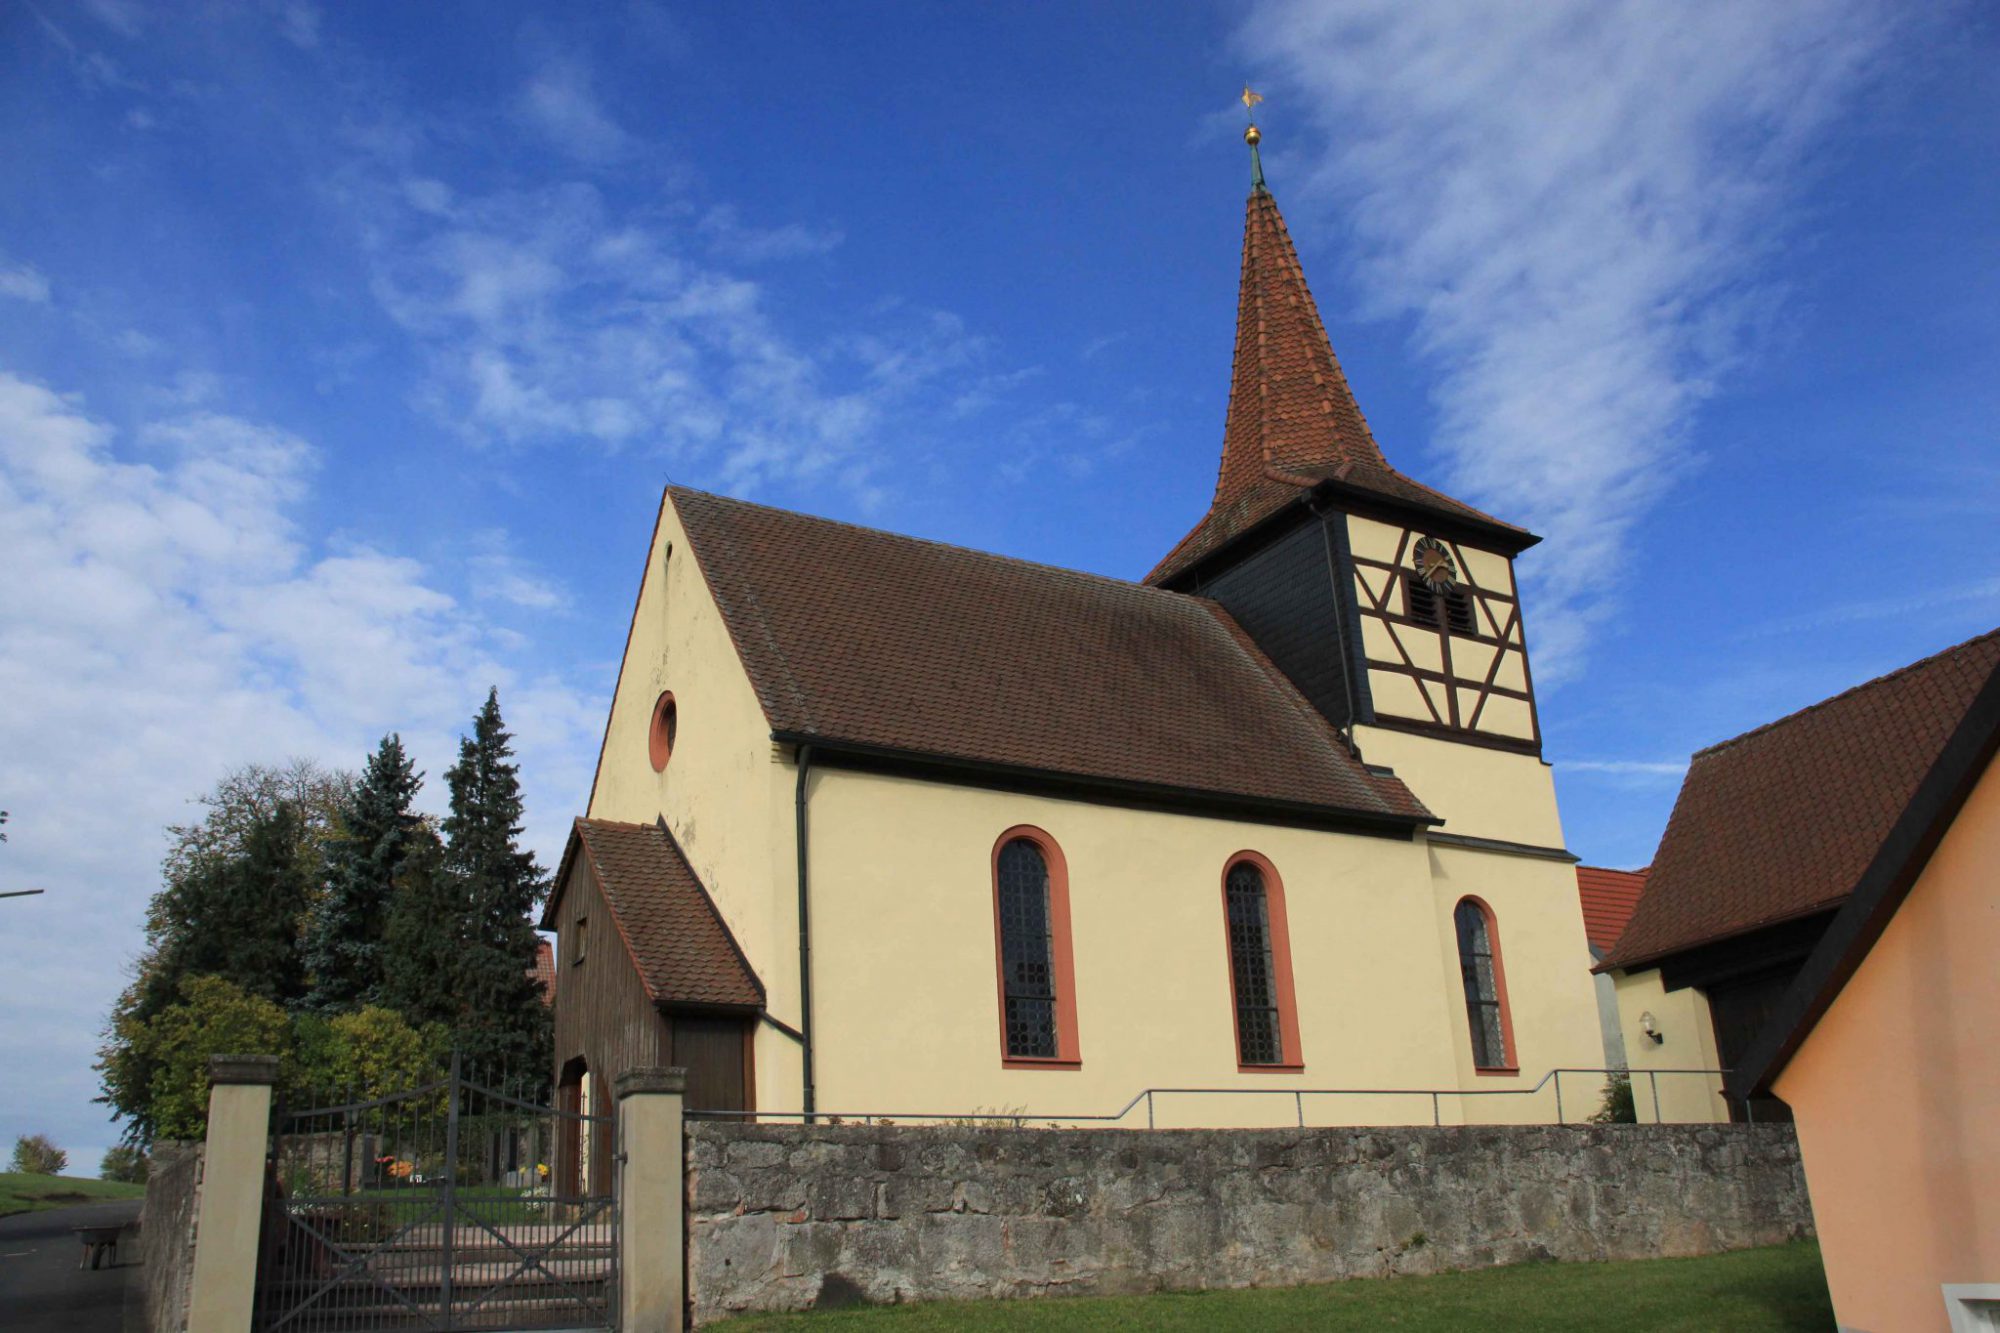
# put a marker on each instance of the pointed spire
(1293, 423)
(1290, 409)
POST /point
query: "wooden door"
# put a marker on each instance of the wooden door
(716, 1054)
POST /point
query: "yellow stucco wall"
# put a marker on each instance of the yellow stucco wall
(1682, 1018)
(1479, 793)
(1538, 922)
(1897, 1094)
(726, 792)
(907, 1009)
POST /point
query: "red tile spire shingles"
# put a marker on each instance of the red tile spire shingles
(1780, 822)
(1293, 421)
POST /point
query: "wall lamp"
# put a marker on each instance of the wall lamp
(1647, 1026)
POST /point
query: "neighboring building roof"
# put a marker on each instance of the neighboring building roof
(678, 941)
(1780, 822)
(904, 648)
(544, 970)
(1608, 899)
(1893, 870)
(1293, 423)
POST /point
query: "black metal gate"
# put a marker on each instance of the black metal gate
(435, 1208)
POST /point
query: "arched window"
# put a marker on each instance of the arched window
(1031, 923)
(1260, 965)
(1485, 986)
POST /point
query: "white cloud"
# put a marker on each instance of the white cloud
(1626, 767)
(560, 104)
(734, 239)
(165, 618)
(24, 284)
(1569, 198)
(544, 317)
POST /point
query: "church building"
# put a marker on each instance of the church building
(884, 826)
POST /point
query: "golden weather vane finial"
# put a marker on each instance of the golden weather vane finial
(1253, 136)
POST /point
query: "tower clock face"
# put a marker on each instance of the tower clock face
(1434, 564)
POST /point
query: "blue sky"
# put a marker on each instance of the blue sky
(344, 350)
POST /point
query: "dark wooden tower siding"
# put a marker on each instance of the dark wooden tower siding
(647, 975)
(1284, 595)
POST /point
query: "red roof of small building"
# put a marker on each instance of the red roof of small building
(1779, 823)
(1608, 899)
(881, 642)
(677, 939)
(1293, 423)
(544, 970)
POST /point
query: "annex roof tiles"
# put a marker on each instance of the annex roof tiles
(1780, 822)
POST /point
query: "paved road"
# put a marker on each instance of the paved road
(41, 1288)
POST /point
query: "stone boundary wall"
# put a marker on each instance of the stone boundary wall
(789, 1217)
(166, 1233)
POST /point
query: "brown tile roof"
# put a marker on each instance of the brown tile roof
(1293, 422)
(670, 926)
(877, 640)
(1780, 822)
(544, 970)
(1608, 899)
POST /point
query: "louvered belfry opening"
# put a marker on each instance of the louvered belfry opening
(1259, 1038)
(1026, 952)
(1458, 611)
(1419, 600)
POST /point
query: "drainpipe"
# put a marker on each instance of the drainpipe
(805, 934)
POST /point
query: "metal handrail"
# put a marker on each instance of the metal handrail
(1147, 1096)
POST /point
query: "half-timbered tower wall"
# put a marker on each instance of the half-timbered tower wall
(1452, 659)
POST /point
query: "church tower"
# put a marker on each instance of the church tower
(1392, 606)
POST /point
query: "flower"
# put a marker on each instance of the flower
(542, 1170)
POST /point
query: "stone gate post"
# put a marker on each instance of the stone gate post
(652, 1237)
(231, 1213)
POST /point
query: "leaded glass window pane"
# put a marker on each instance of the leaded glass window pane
(1026, 964)
(1259, 1040)
(1482, 988)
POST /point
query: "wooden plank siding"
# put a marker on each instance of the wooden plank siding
(603, 1016)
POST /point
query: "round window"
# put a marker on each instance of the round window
(660, 740)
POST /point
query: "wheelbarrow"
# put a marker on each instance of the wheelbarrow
(98, 1242)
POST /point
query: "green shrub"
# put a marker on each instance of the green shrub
(1617, 1108)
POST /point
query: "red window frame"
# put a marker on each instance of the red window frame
(1062, 953)
(1279, 926)
(1512, 1052)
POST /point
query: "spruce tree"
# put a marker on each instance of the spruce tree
(502, 1021)
(424, 943)
(344, 941)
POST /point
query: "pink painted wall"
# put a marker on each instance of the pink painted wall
(1897, 1094)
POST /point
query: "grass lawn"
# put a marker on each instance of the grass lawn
(23, 1193)
(1750, 1291)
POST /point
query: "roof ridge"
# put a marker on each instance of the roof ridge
(1831, 699)
(1132, 585)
